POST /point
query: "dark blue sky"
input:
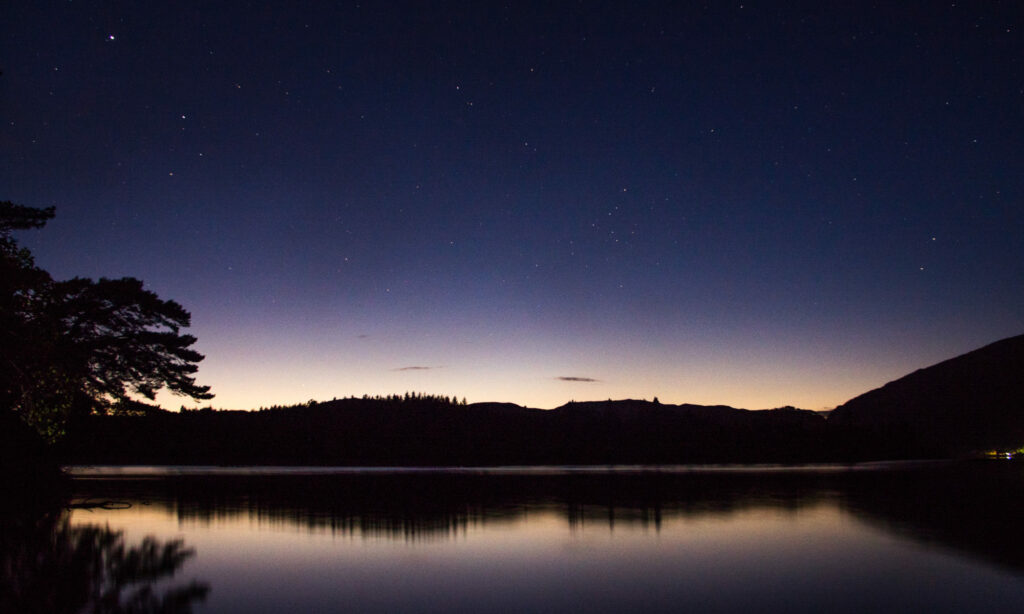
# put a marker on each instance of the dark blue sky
(751, 203)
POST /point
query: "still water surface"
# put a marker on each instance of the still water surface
(886, 538)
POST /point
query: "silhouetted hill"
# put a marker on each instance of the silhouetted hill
(501, 409)
(969, 403)
(630, 409)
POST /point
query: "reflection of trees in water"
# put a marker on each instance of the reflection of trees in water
(971, 507)
(47, 565)
(416, 507)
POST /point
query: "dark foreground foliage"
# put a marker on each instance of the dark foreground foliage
(74, 347)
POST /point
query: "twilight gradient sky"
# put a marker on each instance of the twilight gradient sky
(750, 203)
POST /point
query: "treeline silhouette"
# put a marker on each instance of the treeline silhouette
(408, 397)
(421, 430)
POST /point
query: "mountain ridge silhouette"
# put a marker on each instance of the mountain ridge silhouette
(962, 405)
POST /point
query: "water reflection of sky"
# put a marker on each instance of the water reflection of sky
(769, 552)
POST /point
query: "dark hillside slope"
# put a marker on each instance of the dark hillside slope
(969, 403)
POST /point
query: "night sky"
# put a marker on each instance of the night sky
(749, 203)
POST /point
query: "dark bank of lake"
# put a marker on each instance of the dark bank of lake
(900, 537)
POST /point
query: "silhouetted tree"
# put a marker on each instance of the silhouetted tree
(80, 346)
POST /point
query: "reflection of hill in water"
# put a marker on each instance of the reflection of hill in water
(971, 507)
(975, 508)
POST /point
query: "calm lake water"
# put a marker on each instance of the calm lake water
(932, 537)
